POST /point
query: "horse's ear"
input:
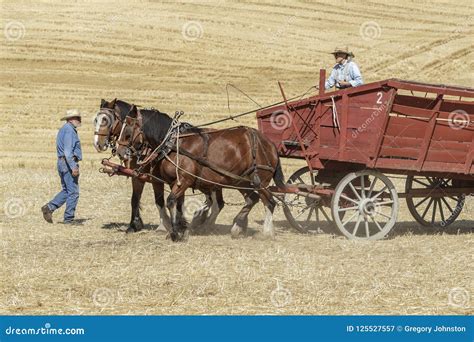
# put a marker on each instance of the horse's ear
(103, 103)
(112, 103)
(133, 112)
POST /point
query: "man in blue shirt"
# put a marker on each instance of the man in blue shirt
(69, 153)
(345, 73)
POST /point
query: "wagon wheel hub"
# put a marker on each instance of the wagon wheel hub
(367, 207)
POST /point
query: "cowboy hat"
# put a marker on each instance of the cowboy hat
(343, 50)
(72, 113)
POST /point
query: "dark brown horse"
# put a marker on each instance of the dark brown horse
(239, 157)
(108, 125)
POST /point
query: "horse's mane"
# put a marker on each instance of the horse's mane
(156, 124)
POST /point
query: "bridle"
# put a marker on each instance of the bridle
(110, 136)
(137, 137)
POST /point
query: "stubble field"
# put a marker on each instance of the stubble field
(180, 56)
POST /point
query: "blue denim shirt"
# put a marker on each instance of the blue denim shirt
(68, 145)
(349, 71)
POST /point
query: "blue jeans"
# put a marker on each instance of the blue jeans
(69, 193)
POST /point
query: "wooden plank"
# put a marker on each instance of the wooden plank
(469, 158)
(429, 133)
(440, 90)
(373, 155)
(343, 118)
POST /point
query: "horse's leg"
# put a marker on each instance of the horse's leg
(159, 190)
(269, 202)
(200, 214)
(217, 205)
(175, 206)
(136, 223)
(241, 220)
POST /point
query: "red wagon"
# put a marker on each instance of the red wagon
(351, 138)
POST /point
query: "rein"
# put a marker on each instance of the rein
(170, 143)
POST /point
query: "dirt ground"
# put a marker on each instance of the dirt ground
(180, 56)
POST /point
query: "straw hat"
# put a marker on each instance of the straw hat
(343, 50)
(72, 113)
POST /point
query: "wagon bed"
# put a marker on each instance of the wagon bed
(392, 125)
(350, 138)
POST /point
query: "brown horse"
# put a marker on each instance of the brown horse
(239, 157)
(108, 125)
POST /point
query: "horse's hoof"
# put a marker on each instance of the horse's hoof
(236, 231)
(130, 230)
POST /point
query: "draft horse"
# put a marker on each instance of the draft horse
(108, 125)
(239, 157)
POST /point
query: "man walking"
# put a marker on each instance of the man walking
(69, 153)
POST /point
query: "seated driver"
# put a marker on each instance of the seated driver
(345, 73)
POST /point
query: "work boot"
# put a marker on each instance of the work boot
(72, 223)
(47, 213)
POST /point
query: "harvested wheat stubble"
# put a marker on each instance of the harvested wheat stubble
(73, 54)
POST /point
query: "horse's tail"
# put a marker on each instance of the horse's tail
(278, 176)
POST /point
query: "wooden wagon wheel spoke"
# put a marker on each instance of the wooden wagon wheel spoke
(362, 186)
(349, 199)
(436, 209)
(378, 216)
(304, 213)
(447, 204)
(385, 202)
(379, 193)
(382, 214)
(427, 207)
(372, 187)
(354, 191)
(309, 214)
(367, 231)
(376, 223)
(301, 212)
(420, 182)
(422, 201)
(349, 219)
(356, 227)
(349, 208)
(433, 216)
(441, 210)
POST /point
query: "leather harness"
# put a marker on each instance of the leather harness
(169, 145)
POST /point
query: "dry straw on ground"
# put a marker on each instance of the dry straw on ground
(58, 55)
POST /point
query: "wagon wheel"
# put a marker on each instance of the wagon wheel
(433, 211)
(370, 201)
(304, 213)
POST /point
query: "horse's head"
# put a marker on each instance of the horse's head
(131, 136)
(106, 125)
